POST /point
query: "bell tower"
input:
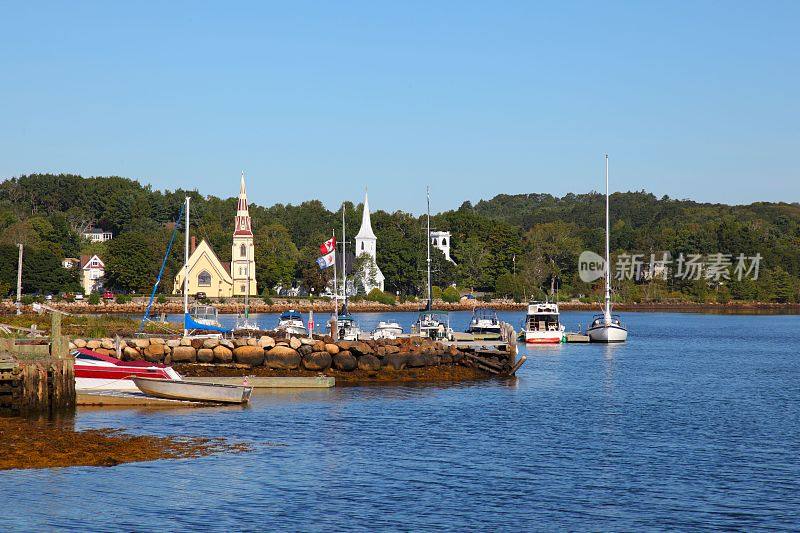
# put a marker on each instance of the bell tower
(243, 265)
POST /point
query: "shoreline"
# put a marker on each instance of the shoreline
(303, 306)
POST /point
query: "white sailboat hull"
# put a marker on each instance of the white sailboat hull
(610, 333)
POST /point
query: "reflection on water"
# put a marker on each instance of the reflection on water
(689, 425)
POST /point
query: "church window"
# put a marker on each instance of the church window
(362, 246)
(242, 288)
(435, 242)
(444, 242)
(243, 251)
(204, 279)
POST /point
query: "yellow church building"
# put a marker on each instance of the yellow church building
(217, 279)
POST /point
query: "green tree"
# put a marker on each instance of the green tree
(133, 262)
(276, 256)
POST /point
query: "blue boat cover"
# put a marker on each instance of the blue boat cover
(190, 323)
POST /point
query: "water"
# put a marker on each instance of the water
(693, 424)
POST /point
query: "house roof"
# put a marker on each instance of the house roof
(87, 259)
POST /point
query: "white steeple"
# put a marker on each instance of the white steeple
(366, 243)
(243, 265)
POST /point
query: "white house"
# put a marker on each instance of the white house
(97, 235)
(92, 272)
(367, 243)
(70, 262)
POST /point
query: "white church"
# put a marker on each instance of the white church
(366, 243)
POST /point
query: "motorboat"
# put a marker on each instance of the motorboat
(387, 330)
(485, 325)
(433, 325)
(96, 371)
(193, 390)
(291, 323)
(607, 327)
(347, 328)
(542, 324)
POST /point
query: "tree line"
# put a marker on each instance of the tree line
(516, 246)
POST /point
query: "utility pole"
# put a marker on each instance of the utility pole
(19, 280)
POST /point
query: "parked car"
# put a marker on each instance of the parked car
(79, 296)
(200, 295)
(108, 295)
(49, 297)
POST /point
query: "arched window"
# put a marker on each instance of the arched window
(243, 251)
(362, 246)
(444, 242)
(204, 279)
(435, 242)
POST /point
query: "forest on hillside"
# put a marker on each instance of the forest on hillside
(510, 246)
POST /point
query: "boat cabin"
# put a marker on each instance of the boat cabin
(542, 316)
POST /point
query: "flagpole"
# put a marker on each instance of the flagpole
(344, 265)
(335, 286)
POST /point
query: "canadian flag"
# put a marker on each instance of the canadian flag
(328, 246)
(326, 260)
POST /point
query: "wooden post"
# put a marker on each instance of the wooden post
(59, 345)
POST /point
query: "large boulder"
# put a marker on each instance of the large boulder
(173, 343)
(345, 361)
(154, 353)
(205, 355)
(157, 340)
(305, 349)
(395, 361)
(249, 355)
(79, 343)
(129, 353)
(283, 357)
(294, 343)
(361, 348)
(308, 341)
(266, 342)
(184, 354)
(369, 363)
(331, 348)
(317, 361)
(390, 349)
(223, 354)
(210, 344)
(107, 343)
(319, 346)
(94, 344)
(185, 341)
(197, 343)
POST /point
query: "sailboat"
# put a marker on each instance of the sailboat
(202, 318)
(430, 323)
(346, 327)
(607, 327)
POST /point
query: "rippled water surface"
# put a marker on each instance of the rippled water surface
(694, 423)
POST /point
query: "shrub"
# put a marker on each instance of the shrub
(122, 299)
(451, 295)
(94, 299)
(376, 295)
(27, 299)
(487, 297)
(162, 299)
(436, 292)
(268, 300)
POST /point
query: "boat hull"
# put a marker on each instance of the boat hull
(607, 334)
(543, 337)
(193, 390)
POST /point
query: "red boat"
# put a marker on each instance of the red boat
(95, 371)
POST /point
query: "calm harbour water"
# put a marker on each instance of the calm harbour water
(693, 424)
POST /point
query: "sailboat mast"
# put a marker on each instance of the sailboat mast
(608, 255)
(186, 272)
(344, 264)
(428, 235)
(335, 285)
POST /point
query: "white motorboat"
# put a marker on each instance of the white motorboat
(607, 327)
(193, 390)
(485, 325)
(387, 330)
(291, 323)
(542, 325)
(347, 328)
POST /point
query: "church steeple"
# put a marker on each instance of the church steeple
(366, 224)
(243, 226)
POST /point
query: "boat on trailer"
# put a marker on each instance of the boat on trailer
(542, 325)
(193, 390)
(96, 371)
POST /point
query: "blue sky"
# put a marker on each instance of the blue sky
(319, 99)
